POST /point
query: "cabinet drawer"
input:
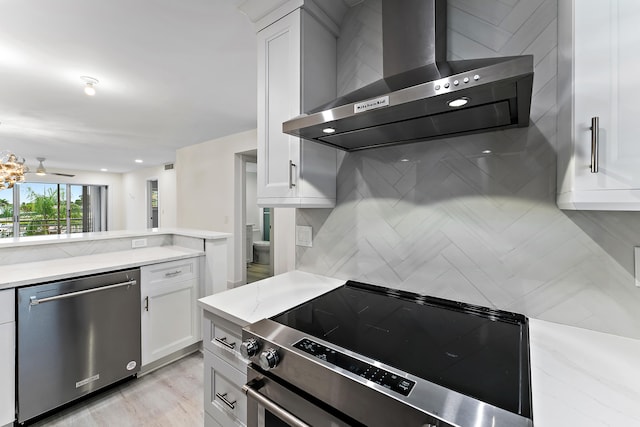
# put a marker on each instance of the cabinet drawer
(223, 396)
(223, 339)
(209, 421)
(175, 270)
(7, 306)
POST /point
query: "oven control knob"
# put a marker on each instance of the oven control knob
(269, 359)
(249, 348)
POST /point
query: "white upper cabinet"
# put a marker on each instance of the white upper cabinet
(296, 72)
(597, 78)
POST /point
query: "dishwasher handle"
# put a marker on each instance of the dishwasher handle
(33, 300)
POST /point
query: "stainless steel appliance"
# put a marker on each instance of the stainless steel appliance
(75, 337)
(364, 355)
(422, 96)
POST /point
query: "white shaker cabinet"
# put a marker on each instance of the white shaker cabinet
(597, 78)
(225, 372)
(296, 72)
(7, 357)
(170, 316)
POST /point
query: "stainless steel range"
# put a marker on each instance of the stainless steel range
(373, 356)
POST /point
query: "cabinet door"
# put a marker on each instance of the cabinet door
(278, 100)
(296, 72)
(7, 373)
(605, 59)
(7, 356)
(170, 318)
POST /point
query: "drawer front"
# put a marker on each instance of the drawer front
(224, 398)
(220, 419)
(223, 339)
(180, 270)
(7, 306)
(209, 421)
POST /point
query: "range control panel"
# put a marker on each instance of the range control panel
(367, 371)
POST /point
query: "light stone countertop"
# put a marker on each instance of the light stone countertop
(579, 377)
(103, 235)
(29, 273)
(258, 300)
(583, 378)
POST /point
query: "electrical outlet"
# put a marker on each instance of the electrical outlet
(138, 243)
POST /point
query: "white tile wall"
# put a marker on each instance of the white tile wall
(20, 254)
(456, 223)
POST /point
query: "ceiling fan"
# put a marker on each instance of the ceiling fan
(41, 171)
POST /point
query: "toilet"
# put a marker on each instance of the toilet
(261, 250)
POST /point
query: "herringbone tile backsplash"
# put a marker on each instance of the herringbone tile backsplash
(443, 218)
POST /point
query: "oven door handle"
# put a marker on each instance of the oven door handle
(273, 407)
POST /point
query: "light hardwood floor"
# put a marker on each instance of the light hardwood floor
(257, 272)
(171, 396)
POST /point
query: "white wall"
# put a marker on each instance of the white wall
(253, 211)
(113, 181)
(134, 197)
(205, 186)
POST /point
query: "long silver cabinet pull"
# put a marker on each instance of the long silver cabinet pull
(595, 131)
(35, 301)
(291, 166)
(224, 399)
(224, 342)
(172, 273)
(274, 408)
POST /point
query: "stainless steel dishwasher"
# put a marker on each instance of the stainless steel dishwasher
(75, 337)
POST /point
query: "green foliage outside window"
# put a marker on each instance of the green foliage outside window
(42, 211)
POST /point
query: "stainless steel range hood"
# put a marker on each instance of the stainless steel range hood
(422, 96)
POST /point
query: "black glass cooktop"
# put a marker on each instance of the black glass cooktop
(477, 351)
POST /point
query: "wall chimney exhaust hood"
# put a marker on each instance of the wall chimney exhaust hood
(422, 96)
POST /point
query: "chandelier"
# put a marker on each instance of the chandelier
(12, 170)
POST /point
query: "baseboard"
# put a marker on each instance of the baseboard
(169, 359)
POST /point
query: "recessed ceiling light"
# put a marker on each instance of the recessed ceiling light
(138, 161)
(486, 151)
(104, 170)
(404, 160)
(328, 130)
(459, 102)
(89, 83)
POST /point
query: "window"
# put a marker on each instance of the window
(6, 213)
(52, 209)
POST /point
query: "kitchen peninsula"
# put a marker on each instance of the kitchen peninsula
(33, 259)
(161, 272)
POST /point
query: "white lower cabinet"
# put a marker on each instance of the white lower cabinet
(170, 316)
(7, 357)
(224, 373)
(209, 421)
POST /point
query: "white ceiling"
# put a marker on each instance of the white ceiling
(171, 73)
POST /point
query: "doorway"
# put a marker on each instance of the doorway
(258, 228)
(152, 203)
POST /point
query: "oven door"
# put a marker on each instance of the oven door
(272, 403)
